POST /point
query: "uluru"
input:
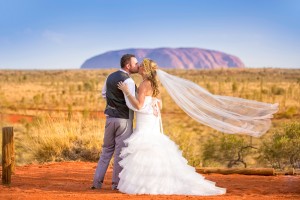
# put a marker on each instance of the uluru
(181, 58)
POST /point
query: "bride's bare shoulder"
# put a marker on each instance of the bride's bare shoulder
(146, 87)
(145, 83)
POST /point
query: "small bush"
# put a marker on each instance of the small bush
(227, 149)
(282, 150)
(234, 87)
(277, 90)
(88, 86)
(289, 113)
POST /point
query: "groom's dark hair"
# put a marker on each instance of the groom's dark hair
(126, 59)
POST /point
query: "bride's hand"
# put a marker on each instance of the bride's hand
(123, 86)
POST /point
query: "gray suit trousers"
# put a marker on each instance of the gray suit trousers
(116, 131)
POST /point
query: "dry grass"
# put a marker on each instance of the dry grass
(70, 97)
(57, 139)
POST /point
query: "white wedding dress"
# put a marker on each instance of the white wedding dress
(153, 164)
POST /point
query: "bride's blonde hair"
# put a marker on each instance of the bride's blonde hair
(150, 72)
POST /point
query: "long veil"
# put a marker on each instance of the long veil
(226, 114)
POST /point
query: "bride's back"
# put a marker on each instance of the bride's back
(145, 121)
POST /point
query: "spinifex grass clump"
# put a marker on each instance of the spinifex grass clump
(60, 139)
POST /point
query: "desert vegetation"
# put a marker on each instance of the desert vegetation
(58, 115)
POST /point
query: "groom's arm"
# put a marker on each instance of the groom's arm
(131, 86)
(104, 90)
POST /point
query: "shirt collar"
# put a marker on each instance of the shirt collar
(124, 71)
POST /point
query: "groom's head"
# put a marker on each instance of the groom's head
(129, 63)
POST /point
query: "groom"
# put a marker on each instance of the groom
(119, 116)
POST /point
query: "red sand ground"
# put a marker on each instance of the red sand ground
(16, 118)
(71, 180)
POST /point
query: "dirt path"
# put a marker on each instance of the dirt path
(71, 180)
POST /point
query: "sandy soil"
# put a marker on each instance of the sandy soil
(16, 118)
(71, 180)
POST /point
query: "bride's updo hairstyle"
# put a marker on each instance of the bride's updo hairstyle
(150, 68)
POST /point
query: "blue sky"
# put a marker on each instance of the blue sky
(62, 34)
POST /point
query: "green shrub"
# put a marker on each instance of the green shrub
(282, 150)
(226, 149)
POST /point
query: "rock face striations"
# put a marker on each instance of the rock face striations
(181, 58)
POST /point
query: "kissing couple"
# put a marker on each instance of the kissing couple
(146, 161)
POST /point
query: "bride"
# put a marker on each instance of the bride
(152, 163)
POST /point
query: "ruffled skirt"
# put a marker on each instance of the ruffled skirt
(153, 164)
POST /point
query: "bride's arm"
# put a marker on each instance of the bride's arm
(136, 102)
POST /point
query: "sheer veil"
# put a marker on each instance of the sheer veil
(226, 114)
